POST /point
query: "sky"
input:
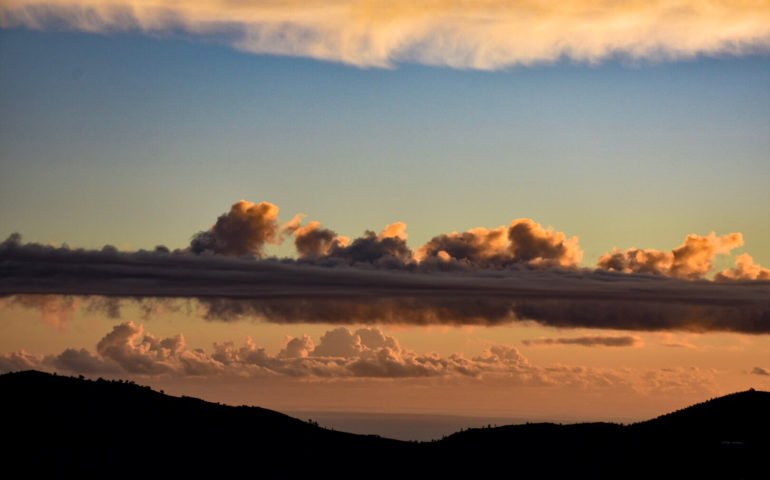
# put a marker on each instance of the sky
(530, 210)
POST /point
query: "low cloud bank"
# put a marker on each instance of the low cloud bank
(340, 354)
(522, 272)
(227, 288)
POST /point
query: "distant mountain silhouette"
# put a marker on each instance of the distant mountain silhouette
(55, 425)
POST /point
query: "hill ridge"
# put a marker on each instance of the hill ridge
(721, 436)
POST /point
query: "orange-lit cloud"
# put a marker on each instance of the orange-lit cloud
(745, 269)
(489, 34)
(691, 260)
(342, 354)
(243, 230)
(323, 246)
(312, 240)
(670, 340)
(364, 353)
(397, 230)
(524, 242)
(372, 281)
(588, 341)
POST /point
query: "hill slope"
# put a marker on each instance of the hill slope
(107, 428)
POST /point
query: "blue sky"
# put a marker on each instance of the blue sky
(137, 141)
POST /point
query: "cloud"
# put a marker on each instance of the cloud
(384, 251)
(670, 340)
(479, 246)
(533, 244)
(745, 269)
(364, 353)
(760, 371)
(148, 356)
(287, 291)
(323, 246)
(314, 241)
(677, 381)
(342, 354)
(244, 230)
(397, 230)
(524, 242)
(21, 360)
(589, 341)
(57, 311)
(691, 260)
(83, 361)
(490, 34)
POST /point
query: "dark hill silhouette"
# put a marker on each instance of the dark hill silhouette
(56, 424)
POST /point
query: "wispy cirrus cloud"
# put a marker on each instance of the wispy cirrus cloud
(489, 34)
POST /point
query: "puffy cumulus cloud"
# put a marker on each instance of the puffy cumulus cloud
(21, 360)
(83, 361)
(340, 353)
(297, 347)
(589, 341)
(343, 354)
(323, 246)
(479, 246)
(244, 230)
(745, 269)
(502, 354)
(533, 244)
(524, 242)
(692, 260)
(314, 241)
(488, 34)
(148, 356)
(397, 230)
(339, 342)
(372, 249)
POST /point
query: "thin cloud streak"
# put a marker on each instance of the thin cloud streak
(588, 341)
(491, 34)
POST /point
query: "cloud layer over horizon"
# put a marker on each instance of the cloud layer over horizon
(340, 354)
(523, 272)
(489, 35)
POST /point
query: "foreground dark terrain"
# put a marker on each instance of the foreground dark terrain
(56, 424)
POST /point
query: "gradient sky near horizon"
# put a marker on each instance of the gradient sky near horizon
(139, 131)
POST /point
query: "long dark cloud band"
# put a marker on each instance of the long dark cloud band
(293, 291)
